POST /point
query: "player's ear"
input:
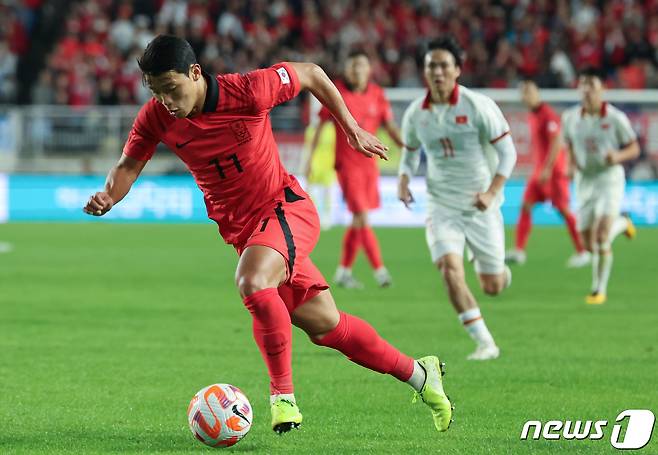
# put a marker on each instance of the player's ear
(195, 72)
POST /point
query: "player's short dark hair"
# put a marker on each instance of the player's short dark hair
(358, 52)
(447, 43)
(167, 53)
(591, 71)
(527, 79)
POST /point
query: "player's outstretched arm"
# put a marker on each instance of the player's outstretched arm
(118, 183)
(314, 79)
(393, 131)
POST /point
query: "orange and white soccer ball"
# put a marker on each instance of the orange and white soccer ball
(219, 415)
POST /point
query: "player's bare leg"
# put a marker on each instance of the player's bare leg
(451, 267)
(494, 284)
(317, 316)
(352, 242)
(523, 227)
(588, 239)
(358, 340)
(259, 267)
(622, 225)
(581, 257)
(260, 271)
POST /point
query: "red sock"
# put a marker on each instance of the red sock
(523, 229)
(371, 246)
(361, 344)
(272, 332)
(351, 245)
(573, 232)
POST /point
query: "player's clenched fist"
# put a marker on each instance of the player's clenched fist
(99, 204)
(404, 193)
(611, 159)
(483, 200)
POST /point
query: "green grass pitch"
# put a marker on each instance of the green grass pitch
(107, 330)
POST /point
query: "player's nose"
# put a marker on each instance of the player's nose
(168, 103)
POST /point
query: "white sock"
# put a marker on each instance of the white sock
(285, 396)
(595, 271)
(325, 215)
(343, 271)
(605, 266)
(417, 379)
(508, 277)
(619, 226)
(475, 326)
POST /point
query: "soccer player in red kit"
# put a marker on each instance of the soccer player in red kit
(549, 179)
(358, 176)
(220, 127)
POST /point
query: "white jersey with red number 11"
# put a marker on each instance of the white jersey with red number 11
(456, 137)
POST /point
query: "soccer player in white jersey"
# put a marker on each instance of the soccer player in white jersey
(470, 155)
(599, 138)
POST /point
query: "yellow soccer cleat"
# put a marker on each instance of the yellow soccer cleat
(595, 298)
(285, 415)
(631, 230)
(432, 393)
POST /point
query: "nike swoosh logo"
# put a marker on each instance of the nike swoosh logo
(238, 413)
(183, 144)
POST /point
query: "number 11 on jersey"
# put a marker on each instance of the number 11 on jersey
(220, 169)
(448, 150)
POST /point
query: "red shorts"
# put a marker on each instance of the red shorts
(292, 227)
(556, 189)
(360, 189)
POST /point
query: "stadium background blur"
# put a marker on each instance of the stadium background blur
(69, 90)
(71, 86)
(88, 54)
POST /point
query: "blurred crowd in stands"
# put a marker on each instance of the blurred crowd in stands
(17, 20)
(92, 60)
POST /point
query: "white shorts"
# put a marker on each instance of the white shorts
(449, 230)
(599, 195)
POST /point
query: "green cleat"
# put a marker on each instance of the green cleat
(432, 392)
(285, 416)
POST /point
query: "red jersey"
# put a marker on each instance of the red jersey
(544, 126)
(229, 147)
(370, 109)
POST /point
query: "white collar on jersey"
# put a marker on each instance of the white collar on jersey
(602, 112)
(454, 97)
